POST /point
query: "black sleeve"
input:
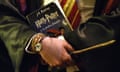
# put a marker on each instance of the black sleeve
(95, 31)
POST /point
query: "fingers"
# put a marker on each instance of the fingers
(56, 63)
(64, 60)
(55, 52)
(67, 60)
(68, 47)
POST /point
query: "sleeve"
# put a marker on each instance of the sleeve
(96, 30)
(15, 34)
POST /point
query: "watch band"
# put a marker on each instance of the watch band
(36, 42)
(38, 45)
(34, 45)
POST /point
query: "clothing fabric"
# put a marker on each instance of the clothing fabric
(15, 32)
(104, 59)
(86, 8)
(72, 12)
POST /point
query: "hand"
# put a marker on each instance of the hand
(55, 51)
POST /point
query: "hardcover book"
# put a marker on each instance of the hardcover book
(49, 20)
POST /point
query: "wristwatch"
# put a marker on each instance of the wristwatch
(36, 43)
(38, 46)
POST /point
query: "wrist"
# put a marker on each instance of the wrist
(34, 45)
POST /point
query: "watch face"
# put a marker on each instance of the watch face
(38, 47)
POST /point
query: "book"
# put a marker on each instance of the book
(49, 20)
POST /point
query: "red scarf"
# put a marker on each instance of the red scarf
(71, 10)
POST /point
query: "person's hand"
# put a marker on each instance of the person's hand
(55, 52)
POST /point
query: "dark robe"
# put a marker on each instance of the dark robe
(15, 32)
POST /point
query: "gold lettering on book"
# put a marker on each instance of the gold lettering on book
(40, 21)
(46, 19)
(51, 16)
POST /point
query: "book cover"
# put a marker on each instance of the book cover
(49, 20)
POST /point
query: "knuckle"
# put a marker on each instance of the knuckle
(58, 63)
(66, 58)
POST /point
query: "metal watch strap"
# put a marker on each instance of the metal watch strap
(38, 46)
